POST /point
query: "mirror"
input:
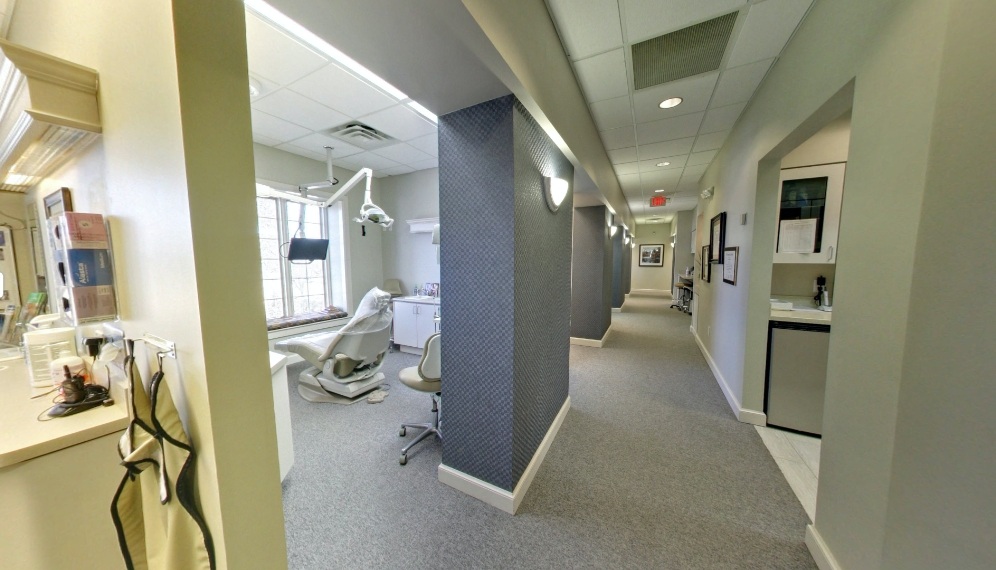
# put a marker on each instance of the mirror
(22, 259)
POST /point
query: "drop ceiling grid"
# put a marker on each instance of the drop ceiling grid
(296, 107)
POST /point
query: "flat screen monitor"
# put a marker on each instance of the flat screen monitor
(307, 249)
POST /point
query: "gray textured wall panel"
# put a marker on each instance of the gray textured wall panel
(591, 273)
(542, 289)
(619, 254)
(477, 256)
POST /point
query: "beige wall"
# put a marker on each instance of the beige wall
(652, 278)
(173, 172)
(407, 256)
(892, 51)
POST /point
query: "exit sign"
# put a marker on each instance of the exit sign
(658, 201)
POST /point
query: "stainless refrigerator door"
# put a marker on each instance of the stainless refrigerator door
(797, 374)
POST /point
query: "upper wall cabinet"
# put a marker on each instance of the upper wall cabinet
(809, 214)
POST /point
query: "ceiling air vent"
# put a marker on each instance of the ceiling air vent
(48, 112)
(682, 53)
(360, 135)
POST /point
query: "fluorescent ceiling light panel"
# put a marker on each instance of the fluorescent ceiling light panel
(277, 18)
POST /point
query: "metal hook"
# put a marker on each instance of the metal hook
(159, 358)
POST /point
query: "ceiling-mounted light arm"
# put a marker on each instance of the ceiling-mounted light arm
(369, 212)
(321, 185)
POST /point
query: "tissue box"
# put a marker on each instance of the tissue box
(777, 305)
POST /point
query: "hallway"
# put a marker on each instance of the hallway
(649, 470)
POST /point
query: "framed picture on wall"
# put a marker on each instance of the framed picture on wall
(730, 258)
(717, 238)
(58, 202)
(652, 255)
(706, 267)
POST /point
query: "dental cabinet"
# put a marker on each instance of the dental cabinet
(56, 479)
(415, 320)
(809, 202)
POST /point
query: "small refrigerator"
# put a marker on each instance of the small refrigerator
(796, 376)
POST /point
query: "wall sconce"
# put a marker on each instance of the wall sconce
(613, 230)
(707, 193)
(555, 190)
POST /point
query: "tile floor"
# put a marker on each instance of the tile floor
(798, 456)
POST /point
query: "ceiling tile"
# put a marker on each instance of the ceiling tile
(612, 113)
(276, 56)
(401, 122)
(587, 27)
(669, 148)
(621, 155)
(396, 170)
(403, 153)
(372, 161)
(666, 180)
(316, 142)
(428, 144)
(694, 91)
(694, 171)
(619, 138)
(689, 184)
(422, 165)
(300, 110)
(347, 164)
(737, 84)
(263, 139)
(651, 18)
(710, 141)
(721, 118)
(767, 28)
(629, 182)
(626, 168)
(668, 129)
(603, 76)
(704, 157)
(274, 128)
(336, 88)
(677, 163)
(308, 153)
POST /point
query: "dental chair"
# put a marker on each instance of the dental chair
(345, 364)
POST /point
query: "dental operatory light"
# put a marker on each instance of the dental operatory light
(671, 103)
(555, 190)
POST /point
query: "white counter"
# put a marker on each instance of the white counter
(804, 311)
(23, 437)
(418, 299)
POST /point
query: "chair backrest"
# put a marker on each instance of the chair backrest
(430, 365)
(365, 347)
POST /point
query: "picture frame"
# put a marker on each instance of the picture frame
(706, 266)
(58, 202)
(652, 255)
(731, 256)
(717, 237)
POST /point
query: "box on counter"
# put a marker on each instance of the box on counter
(88, 267)
(84, 304)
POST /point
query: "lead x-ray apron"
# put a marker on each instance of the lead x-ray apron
(155, 509)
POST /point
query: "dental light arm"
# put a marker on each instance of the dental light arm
(369, 212)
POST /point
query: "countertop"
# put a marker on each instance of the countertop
(23, 437)
(804, 311)
(418, 299)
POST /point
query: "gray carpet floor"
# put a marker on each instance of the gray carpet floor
(649, 470)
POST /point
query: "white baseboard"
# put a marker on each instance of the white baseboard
(580, 341)
(496, 496)
(616, 309)
(819, 550)
(742, 414)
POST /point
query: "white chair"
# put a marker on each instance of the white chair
(345, 364)
(425, 378)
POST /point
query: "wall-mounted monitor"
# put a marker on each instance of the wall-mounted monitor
(307, 249)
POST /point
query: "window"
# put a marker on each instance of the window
(293, 288)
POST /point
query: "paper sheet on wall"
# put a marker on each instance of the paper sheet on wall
(797, 236)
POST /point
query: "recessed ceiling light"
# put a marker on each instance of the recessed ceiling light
(254, 88)
(658, 191)
(672, 102)
(663, 163)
